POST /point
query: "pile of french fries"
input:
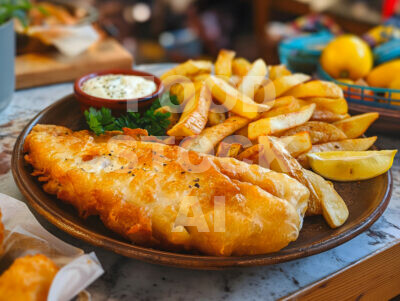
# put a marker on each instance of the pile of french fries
(268, 116)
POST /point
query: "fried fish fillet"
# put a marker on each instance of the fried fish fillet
(165, 196)
(28, 279)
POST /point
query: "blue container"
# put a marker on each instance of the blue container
(301, 54)
(369, 96)
(7, 74)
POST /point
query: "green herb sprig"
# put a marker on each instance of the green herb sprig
(156, 123)
(17, 9)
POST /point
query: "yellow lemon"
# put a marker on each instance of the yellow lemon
(351, 165)
(384, 74)
(347, 56)
(395, 84)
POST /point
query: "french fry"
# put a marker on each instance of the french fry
(323, 196)
(316, 88)
(292, 106)
(250, 154)
(278, 87)
(183, 91)
(200, 77)
(284, 100)
(188, 68)
(359, 144)
(253, 79)
(297, 144)
(215, 118)
(355, 126)
(210, 137)
(234, 80)
(277, 71)
(238, 139)
(228, 149)
(320, 132)
(194, 117)
(240, 66)
(234, 100)
(223, 65)
(327, 116)
(280, 123)
(334, 105)
(277, 158)
(244, 131)
(334, 209)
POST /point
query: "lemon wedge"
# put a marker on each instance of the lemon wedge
(351, 165)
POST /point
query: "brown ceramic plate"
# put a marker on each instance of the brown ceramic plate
(366, 201)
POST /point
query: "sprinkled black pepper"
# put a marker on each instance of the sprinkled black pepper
(197, 185)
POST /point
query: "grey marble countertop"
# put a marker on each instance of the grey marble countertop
(129, 279)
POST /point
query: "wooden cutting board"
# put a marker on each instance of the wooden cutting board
(38, 69)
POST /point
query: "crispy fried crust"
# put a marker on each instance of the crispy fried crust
(28, 279)
(138, 188)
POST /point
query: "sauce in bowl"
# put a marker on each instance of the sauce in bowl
(119, 90)
(119, 86)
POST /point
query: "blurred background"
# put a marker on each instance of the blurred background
(174, 30)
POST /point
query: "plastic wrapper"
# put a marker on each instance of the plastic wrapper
(24, 235)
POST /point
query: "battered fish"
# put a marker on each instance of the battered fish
(28, 279)
(164, 196)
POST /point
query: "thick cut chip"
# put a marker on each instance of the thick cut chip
(280, 123)
(194, 117)
(320, 132)
(253, 79)
(240, 66)
(210, 137)
(297, 144)
(215, 118)
(355, 126)
(276, 88)
(188, 68)
(277, 71)
(228, 149)
(223, 65)
(292, 106)
(334, 209)
(327, 116)
(234, 100)
(316, 88)
(334, 105)
(250, 154)
(323, 197)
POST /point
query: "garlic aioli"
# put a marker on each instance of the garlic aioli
(119, 86)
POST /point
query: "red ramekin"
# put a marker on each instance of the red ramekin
(117, 106)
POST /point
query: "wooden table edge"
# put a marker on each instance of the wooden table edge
(373, 277)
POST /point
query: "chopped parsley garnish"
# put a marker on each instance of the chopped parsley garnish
(156, 123)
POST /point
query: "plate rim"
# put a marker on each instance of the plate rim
(170, 258)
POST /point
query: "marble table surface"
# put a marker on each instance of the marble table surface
(129, 279)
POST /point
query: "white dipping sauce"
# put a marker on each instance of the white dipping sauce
(119, 86)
